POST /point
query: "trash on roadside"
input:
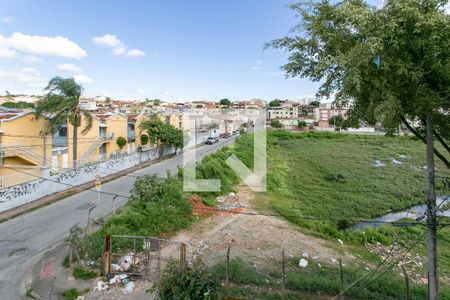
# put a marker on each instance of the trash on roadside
(303, 263)
(101, 286)
(115, 267)
(125, 263)
(128, 288)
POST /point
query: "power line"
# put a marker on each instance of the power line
(237, 212)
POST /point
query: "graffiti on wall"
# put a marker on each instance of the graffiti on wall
(8, 194)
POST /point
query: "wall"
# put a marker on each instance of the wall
(49, 184)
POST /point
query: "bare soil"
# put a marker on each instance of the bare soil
(257, 238)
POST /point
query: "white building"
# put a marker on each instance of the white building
(88, 104)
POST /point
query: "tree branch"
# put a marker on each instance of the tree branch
(423, 139)
(441, 140)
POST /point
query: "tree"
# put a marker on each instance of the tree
(144, 139)
(301, 124)
(274, 103)
(162, 134)
(121, 142)
(390, 65)
(275, 123)
(336, 121)
(61, 104)
(156, 102)
(315, 103)
(225, 102)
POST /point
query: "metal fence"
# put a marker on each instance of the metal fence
(140, 256)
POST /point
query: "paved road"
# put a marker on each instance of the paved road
(33, 233)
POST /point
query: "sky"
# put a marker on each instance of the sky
(172, 50)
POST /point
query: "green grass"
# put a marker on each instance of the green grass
(312, 283)
(332, 176)
(80, 273)
(71, 294)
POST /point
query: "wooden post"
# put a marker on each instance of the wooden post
(283, 272)
(183, 255)
(408, 295)
(341, 279)
(107, 255)
(227, 267)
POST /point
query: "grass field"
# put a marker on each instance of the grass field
(333, 177)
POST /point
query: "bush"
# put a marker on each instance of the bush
(80, 273)
(71, 294)
(276, 124)
(144, 139)
(336, 177)
(121, 141)
(194, 282)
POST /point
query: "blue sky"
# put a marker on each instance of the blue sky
(172, 50)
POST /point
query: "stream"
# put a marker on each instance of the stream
(413, 212)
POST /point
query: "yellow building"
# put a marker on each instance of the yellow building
(23, 149)
(100, 141)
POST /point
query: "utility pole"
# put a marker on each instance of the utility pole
(45, 151)
(431, 216)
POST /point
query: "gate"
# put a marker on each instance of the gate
(139, 255)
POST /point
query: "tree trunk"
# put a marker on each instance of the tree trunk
(74, 143)
(431, 216)
(436, 152)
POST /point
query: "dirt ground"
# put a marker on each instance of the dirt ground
(257, 238)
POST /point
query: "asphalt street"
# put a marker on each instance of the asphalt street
(24, 239)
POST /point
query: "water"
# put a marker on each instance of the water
(413, 212)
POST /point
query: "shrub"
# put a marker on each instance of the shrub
(71, 294)
(276, 124)
(194, 282)
(144, 139)
(80, 273)
(121, 141)
(336, 177)
(301, 124)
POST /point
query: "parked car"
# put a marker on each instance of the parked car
(226, 135)
(211, 140)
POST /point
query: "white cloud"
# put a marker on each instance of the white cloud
(108, 40)
(7, 20)
(256, 68)
(68, 68)
(259, 61)
(5, 52)
(81, 78)
(141, 91)
(41, 45)
(23, 80)
(118, 47)
(31, 59)
(135, 53)
(119, 51)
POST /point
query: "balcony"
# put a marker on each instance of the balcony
(104, 137)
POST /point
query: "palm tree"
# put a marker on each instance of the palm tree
(61, 104)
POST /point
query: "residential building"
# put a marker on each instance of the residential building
(23, 150)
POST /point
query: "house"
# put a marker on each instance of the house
(23, 150)
(100, 141)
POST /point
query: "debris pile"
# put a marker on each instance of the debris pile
(414, 263)
(228, 202)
